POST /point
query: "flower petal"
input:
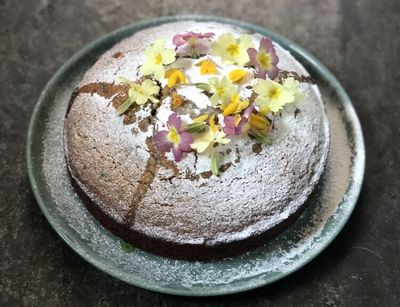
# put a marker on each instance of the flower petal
(200, 146)
(160, 141)
(159, 72)
(177, 153)
(229, 127)
(158, 45)
(178, 40)
(141, 99)
(249, 110)
(186, 140)
(266, 44)
(146, 69)
(168, 56)
(237, 75)
(175, 121)
(239, 127)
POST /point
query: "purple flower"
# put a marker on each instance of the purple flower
(234, 124)
(174, 138)
(265, 59)
(192, 41)
(181, 39)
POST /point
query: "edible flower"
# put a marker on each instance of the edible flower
(201, 118)
(222, 89)
(272, 95)
(193, 41)
(198, 124)
(260, 127)
(236, 124)
(156, 57)
(238, 76)
(176, 101)
(213, 135)
(259, 122)
(207, 67)
(189, 37)
(293, 85)
(232, 50)
(139, 93)
(235, 106)
(175, 138)
(175, 76)
(265, 59)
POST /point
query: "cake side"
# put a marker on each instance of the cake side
(155, 203)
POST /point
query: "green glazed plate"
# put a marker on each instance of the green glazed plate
(328, 211)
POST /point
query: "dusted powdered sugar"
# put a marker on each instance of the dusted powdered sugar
(332, 202)
(326, 208)
(257, 192)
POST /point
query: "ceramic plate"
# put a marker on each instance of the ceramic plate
(328, 211)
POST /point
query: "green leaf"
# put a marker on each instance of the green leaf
(195, 127)
(126, 247)
(261, 137)
(125, 106)
(214, 164)
(203, 86)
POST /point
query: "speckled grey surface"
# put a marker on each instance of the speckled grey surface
(357, 40)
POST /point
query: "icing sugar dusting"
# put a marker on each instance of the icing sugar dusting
(254, 194)
(278, 255)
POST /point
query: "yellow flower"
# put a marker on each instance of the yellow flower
(259, 122)
(207, 67)
(176, 101)
(222, 90)
(156, 57)
(213, 126)
(139, 93)
(235, 106)
(238, 76)
(264, 109)
(232, 50)
(206, 140)
(293, 85)
(200, 118)
(175, 76)
(272, 95)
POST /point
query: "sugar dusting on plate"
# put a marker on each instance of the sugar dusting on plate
(282, 254)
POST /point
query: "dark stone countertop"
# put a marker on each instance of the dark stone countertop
(358, 40)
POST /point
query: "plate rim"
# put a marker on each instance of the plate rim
(295, 49)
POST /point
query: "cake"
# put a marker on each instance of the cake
(196, 140)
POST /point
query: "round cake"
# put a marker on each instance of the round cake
(196, 140)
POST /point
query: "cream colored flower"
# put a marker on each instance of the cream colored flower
(139, 93)
(211, 136)
(272, 96)
(233, 50)
(222, 90)
(235, 106)
(156, 57)
(293, 85)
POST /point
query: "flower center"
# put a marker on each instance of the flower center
(173, 136)
(233, 49)
(274, 93)
(192, 42)
(264, 59)
(139, 89)
(220, 90)
(158, 59)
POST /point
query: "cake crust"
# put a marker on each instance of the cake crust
(180, 210)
